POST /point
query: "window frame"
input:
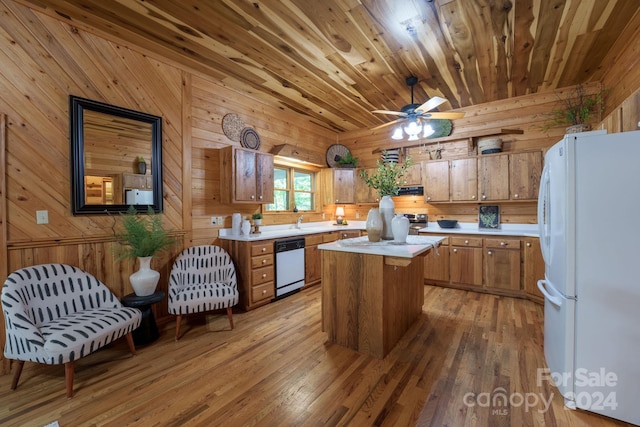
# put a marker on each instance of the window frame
(291, 170)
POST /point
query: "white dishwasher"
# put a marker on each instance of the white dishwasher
(289, 266)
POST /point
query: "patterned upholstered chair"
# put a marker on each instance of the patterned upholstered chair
(203, 278)
(56, 314)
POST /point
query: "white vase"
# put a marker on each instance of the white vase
(236, 222)
(246, 227)
(386, 206)
(400, 228)
(145, 280)
(374, 225)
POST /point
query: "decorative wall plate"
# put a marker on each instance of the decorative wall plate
(232, 126)
(249, 138)
(335, 153)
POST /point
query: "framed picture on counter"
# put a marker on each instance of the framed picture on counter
(489, 217)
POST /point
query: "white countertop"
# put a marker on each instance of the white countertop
(524, 230)
(414, 246)
(289, 230)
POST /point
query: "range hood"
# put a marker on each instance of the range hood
(411, 191)
(300, 155)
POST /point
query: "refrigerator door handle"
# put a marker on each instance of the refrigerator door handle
(552, 299)
(543, 220)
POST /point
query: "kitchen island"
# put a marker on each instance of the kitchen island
(372, 292)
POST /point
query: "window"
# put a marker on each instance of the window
(292, 187)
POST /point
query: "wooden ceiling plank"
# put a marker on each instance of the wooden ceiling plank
(522, 46)
(547, 24)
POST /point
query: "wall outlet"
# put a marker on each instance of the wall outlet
(357, 215)
(214, 220)
(220, 221)
(42, 217)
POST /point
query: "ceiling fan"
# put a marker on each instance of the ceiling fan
(416, 115)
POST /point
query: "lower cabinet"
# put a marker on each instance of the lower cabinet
(254, 262)
(312, 260)
(465, 261)
(502, 264)
(508, 266)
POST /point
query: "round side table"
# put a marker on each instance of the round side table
(147, 332)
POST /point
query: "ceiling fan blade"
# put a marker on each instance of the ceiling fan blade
(431, 104)
(450, 116)
(387, 124)
(393, 113)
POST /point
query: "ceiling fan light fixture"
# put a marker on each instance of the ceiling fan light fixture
(413, 129)
(427, 131)
(397, 133)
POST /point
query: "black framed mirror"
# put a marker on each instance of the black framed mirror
(111, 148)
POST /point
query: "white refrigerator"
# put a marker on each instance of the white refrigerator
(589, 220)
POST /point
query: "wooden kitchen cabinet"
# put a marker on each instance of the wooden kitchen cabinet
(364, 193)
(135, 181)
(525, 170)
(255, 272)
(435, 178)
(338, 185)
(246, 176)
(465, 261)
(413, 175)
(533, 268)
(464, 180)
(312, 259)
(493, 177)
(502, 264)
(436, 265)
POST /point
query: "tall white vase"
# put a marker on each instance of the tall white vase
(145, 280)
(400, 228)
(386, 211)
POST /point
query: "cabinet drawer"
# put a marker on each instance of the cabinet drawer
(262, 248)
(262, 292)
(262, 275)
(261, 261)
(331, 236)
(475, 242)
(349, 234)
(314, 239)
(503, 243)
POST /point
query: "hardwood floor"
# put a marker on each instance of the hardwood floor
(276, 369)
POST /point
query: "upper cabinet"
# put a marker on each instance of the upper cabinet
(413, 175)
(246, 176)
(364, 193)
(488, 178)
(435, 178)
(525, 170)
(338, 185)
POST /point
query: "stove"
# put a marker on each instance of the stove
(416, 222)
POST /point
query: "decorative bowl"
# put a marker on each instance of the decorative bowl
(447, 223)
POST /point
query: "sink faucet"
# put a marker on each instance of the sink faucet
(299, 221)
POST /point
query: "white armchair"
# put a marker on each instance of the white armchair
(57, 313)
(203, 278)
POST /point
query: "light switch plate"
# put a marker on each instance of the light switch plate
(42, 217)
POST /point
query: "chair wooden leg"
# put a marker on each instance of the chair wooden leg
(229, 314)
(132, 346)
(178, 320)
(68, 374)
(16, 376)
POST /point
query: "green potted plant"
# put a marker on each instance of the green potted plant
(386, 181)
(576, 111)
(142, 237)
(257, 218)
(347, 161)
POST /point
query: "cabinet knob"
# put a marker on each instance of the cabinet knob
(260, 197)
(466, 242)
(253, 197)
(264, 291)
(528, 244)
(455, 251)
(484, 196)
(344, 235)
(428, 197)
(473, 197)
(264, 249)
(515, 196)
(503, 244)
(490, 252)
(264, 275)
(264, 261)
